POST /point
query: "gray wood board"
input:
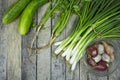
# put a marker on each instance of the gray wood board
(29, 65)
(3, 44)
(13, 48)
(57, 64)
(116, 74)
(14, 52)
(43, 59)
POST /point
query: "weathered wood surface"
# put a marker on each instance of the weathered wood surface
(11, 48)
(3, 43)
(57, 64)
(15, 63)
(28, 64)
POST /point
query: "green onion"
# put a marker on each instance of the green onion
(97, 19)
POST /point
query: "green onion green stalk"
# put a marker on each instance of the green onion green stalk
(65, 8)
(97, 18)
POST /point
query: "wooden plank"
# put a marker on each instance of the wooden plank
(28, 63)
(83, 71)
(58, 66)
(69, 74)
(116, 74)
(3, 44)
(13, 50)
(72, 75)
(29, 69)
(94, 77)
(43, 59)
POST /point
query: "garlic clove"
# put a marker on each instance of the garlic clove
(92, 51)
(106, 57)
(100, 49)
(109, 50)
(97, 58)
(91, 62)
(102, 66)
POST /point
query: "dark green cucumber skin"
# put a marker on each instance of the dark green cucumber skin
(14, 11)
(28, 14)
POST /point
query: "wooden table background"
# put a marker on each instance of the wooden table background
(14, 60)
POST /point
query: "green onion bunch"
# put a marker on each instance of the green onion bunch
(65, 8)
(97, 19)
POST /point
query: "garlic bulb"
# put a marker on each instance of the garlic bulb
(100, 49)
(106, 57)
(92, 50)
(91, 62)
(102, 66)
(97, 58)
(109, 50)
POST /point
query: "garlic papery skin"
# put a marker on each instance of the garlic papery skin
(106, 57)
(97, 58)
(109, 50)
(100, 49)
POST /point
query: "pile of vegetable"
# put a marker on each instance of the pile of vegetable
(100, 55)
(96, 19)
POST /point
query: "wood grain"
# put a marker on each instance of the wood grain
(83, 71)
(3, 44)
(58, 67)
(29, 67)
(43, 59)
(116, 74)
(28, 63)
(94, 77)
(58, 64)
(13, 50)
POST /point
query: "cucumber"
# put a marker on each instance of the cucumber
(27, 15)
(14, 11)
